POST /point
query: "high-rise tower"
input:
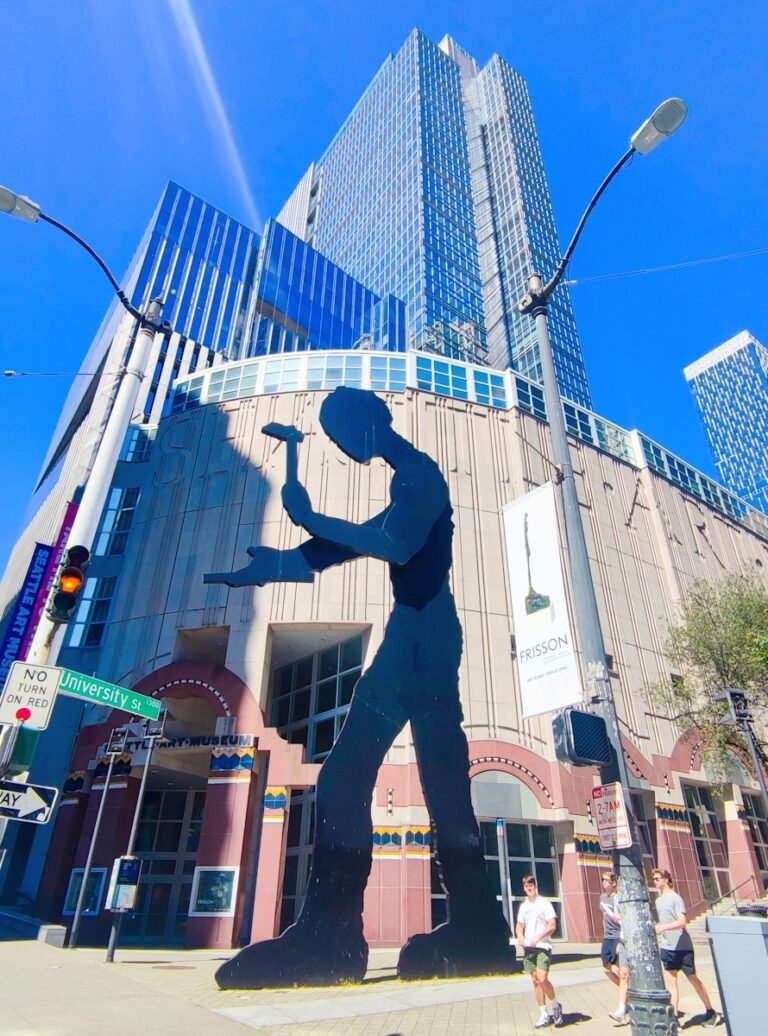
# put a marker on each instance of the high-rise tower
(434, 190)
(730, 389)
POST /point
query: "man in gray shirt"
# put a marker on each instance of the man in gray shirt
(677, 948)
(613, 954)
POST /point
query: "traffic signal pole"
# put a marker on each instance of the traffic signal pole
(46, 642)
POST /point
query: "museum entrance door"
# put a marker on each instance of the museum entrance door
(167, 841)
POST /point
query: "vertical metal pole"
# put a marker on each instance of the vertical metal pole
(72, 944)
(8, 736)
(117, 921)
(506, 898)
(650, 1007)
(45, 643)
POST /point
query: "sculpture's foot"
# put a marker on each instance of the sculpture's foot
(453, 951)
(304, 955)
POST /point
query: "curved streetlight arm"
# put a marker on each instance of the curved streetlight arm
(84, 244)
(562, 266)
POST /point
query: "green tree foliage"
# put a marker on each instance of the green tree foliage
(719, 640)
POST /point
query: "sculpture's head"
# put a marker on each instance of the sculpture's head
(357, 421)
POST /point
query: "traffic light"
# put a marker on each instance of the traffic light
(581, 738)
(69, 583)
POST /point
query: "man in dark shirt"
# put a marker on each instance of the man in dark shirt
(413, 678)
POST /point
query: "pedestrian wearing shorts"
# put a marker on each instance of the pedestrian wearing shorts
(677, 948)
(536, 922)
(613, 952)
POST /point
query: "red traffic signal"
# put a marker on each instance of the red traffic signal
(69, 583)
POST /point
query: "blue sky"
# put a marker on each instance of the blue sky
(105, 101)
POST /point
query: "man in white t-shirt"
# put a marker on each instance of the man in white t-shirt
(536, 922)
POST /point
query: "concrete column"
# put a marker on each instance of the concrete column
(224, 836)
(269, 880)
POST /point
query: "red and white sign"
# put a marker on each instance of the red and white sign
(610, 813)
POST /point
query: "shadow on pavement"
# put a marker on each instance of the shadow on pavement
(573, 958)
(574, 1017)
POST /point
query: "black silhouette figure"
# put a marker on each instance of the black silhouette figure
(414, 676)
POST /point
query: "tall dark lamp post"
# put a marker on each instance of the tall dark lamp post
(650, 1008)
(131, 375)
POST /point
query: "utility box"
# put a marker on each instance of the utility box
(740, 953)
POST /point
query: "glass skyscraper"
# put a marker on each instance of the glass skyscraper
(201, 262)
(434, 190)
(302, 301)
(730, 389)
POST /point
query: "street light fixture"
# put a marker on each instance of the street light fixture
(668, 117)
(94, 495)
(650, 1007)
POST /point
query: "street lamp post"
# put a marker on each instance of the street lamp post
(94, 495)
(741, 717)
(650, 1008)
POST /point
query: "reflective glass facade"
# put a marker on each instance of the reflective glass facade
(392, 204)
(730, 389)
(202, 263)
(516, 229)
(304, 301)
(434, 190)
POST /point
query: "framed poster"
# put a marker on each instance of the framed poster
(93, 894)
(213, 892)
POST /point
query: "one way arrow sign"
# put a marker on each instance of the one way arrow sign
(30, 802)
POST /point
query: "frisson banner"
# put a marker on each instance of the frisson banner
(546, 656)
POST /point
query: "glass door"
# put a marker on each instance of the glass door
(708, 839)
(167, 840)
(511, 851)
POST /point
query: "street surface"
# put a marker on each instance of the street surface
(45, 991)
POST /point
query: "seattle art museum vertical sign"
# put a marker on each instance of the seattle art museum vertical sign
(546, 658)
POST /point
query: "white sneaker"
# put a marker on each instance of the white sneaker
(557, 1014)
(618, 1016)
(544, 1021)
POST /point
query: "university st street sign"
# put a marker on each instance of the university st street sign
(77, 685)
(30, 692)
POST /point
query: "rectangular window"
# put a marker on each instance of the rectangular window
(92, 612)
(117, 521)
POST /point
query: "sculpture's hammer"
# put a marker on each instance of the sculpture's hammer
(291, 436)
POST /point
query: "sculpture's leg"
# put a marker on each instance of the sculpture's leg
(325, 946)
(475, 939)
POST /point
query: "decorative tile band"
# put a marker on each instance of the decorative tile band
(230, 764)
(389, 841)
(679, 813)
(589, 853)
(275, 799)
(387, 837)
(74, 782)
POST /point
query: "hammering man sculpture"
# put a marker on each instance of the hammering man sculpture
(414, 677)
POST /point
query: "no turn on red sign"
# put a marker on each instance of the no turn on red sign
(29, 695)
(610, 813)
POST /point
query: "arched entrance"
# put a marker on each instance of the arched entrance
(171, 816)
(517, 839)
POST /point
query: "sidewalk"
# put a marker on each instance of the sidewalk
(45, 991)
